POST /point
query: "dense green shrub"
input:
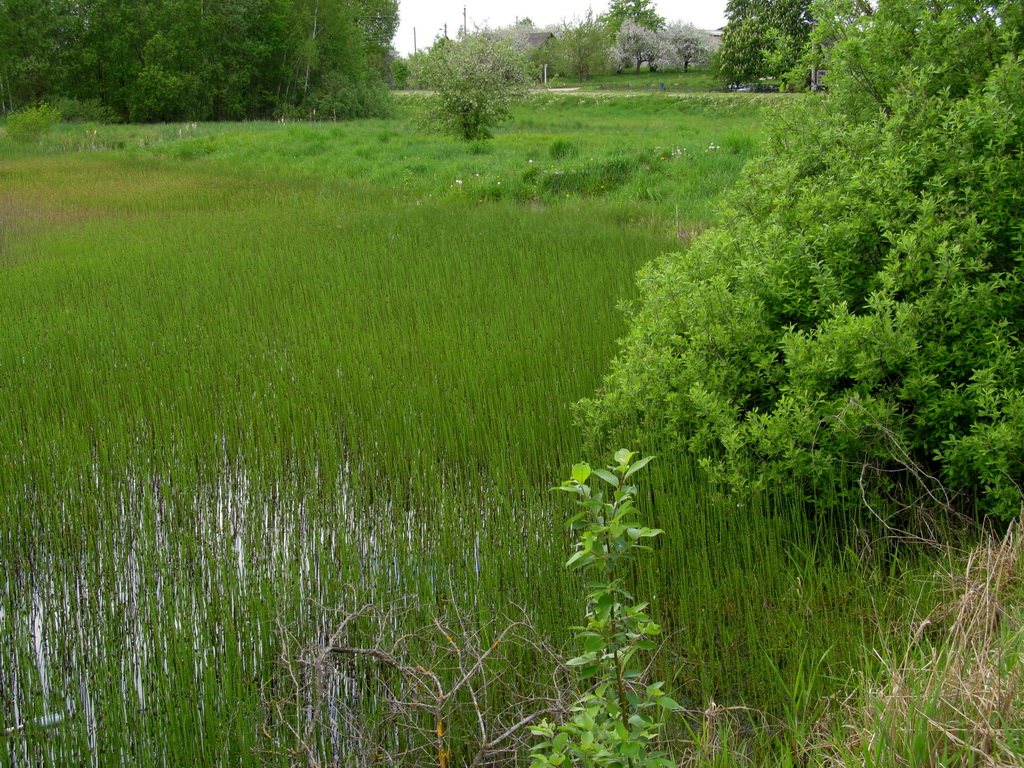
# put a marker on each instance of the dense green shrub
(82, 110)
(858, 314)
(400, 74)
(340, 97)
(29, 124)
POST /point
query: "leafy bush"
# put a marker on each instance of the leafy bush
(340, 97)
(28, 125)
(400, 74)
(855, 323)
(83, 110)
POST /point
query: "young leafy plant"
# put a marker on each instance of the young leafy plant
(29, 124)
(617, 719)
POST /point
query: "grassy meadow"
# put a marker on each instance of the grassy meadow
(254, 374)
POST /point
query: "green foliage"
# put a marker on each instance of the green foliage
(582, 48)
(854, 325)
(400, 73)
(340, 97)
(764, 38)
(641, 12)
(475, 82)
(82, 111)
(189, 59)
(30, 124)
(617, 720)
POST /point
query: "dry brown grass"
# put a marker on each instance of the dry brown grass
(955, 697)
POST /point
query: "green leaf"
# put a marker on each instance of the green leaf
(667, 703)
(607, 476)
(639, 721)
(580, 472)
(580, 559)
(559, 742)
(637, 466)
(632, 750)
(621, 731)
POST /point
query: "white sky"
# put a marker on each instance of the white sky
(428, 17)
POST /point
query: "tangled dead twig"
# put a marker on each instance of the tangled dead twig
(453, 691)
(917, 509)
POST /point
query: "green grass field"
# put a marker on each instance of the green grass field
(251, 373)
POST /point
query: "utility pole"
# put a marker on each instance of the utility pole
(465, 24)
(414, 48)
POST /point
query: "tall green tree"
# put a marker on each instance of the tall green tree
(147, 60)
(332, 74)
(378, 20)
(581, 48)
(33, 34)
(242, 49)
(641, 12)
(764, 38)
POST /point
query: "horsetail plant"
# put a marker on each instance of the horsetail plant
(615, 722)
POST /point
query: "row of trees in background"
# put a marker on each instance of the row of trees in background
(160, 60)
(763, 39)
(591, 45)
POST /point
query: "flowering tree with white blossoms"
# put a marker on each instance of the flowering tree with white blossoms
(683, 45)
(636, 45)
(475, 81)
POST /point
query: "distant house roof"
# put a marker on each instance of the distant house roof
(537, 39)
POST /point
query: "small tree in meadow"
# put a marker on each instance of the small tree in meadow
(475, 82)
